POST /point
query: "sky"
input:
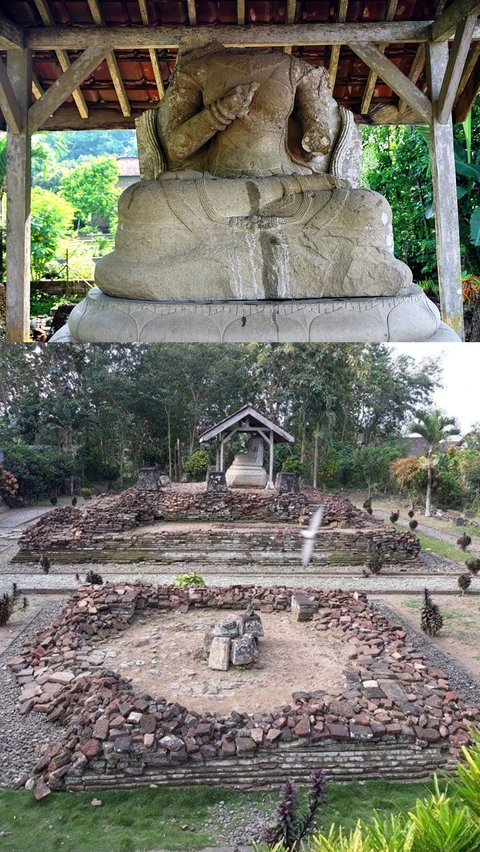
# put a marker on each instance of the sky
(460, 395)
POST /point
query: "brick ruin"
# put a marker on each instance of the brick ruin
(398, 718)
(237, 528)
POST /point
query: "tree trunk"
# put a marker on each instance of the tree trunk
(315, 457)
(428, 499)
(302, 446)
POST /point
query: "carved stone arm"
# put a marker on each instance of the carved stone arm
(311, 108)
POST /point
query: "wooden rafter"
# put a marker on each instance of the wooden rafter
(192, 13)
(112, 64)
(62, 56)
(372, 77)
(241, 12)
(36, 87)
(8, 102)
(151, 50)
(11, 35)
(456, 63)
(63, 87)
(419, 62)
(394, 78)
(335, 51)
(137, 37)
(469, 93)
(470, 64)
(291, 10)
(445, 25)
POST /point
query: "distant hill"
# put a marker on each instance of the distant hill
(92, 143)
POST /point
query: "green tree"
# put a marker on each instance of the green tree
(91, 188)
(434, 427)
(51, 221)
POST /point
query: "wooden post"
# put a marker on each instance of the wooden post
(270, 466)
(222, 440)
(445, 196)
(19, 63)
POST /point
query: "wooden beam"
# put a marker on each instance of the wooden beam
(8, 102)
(445, 197)
(62, 56)
(64, 86)
(100, 118)
(394, 78)
(241, 13)
(372, 77)
(469, 93)
(152, 52)
(36, 87)
(456, 63)
(470, 64)
(336, 48)
(415, 72)
(192, 13)
(11, 35)
(128, 38)
(291, 11)
(112, 64)
(18, 203)
(445, 25)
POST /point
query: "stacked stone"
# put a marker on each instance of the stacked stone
(394, 698)
(109, 519)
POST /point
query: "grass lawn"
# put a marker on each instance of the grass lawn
(441, 548)
(163, 818)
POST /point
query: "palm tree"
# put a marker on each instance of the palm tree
(434, 427)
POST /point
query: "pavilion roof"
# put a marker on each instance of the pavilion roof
(249, 416)
(133, 78)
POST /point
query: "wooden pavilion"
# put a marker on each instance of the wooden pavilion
(247, 420)
(89, 64)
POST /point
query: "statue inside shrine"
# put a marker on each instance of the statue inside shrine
(248, 223)
(247, 171)
(246, 470)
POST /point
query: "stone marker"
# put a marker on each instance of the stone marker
(219, 656)
(227, 627)
(216, 482)
(243, 651)
(302, 607)
(148, 479)
(250, 623)
(287, 483)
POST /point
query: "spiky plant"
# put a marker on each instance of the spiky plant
(295, 821)
(464, 582)
(367, 503)
(413, 524)
(464, 541)
(473, 565)
(431, 619)
(6, 608)
(411, 513)
(94, 578)
(394, 517)
(44, 563)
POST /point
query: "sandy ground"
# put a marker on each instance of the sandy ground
(163, 655)
(459, 637)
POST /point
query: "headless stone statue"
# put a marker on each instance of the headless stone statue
(248, 168)
(246, 470)
(248, 223)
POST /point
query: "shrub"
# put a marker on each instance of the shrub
(292, 464)
(6, 608)
(464, 582)
(8, 486)
(197, 465)
(189, 580)
(39, 473)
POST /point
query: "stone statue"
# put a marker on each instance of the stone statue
(247, 169)
(247, 223)
(246, 470)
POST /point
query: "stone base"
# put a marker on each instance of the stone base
(403, 318)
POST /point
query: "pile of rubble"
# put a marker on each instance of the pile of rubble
(113, 514)
(234, 641)
(393, 697)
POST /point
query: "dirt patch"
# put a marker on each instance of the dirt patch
(459, 637)
(163, 656)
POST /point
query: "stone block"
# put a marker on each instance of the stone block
(148, 479)
(302, 607)
(287, 483)
(243, 651)
(219, 655)
(216, 482)
(228, 628)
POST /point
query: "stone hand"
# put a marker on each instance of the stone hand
(316, 141)
(236, 103)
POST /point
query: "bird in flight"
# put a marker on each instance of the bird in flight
(310, 535)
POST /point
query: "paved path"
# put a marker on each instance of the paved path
(434, 532)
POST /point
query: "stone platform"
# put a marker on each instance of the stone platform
(408, 317)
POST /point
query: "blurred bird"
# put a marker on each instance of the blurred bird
(310, 535)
